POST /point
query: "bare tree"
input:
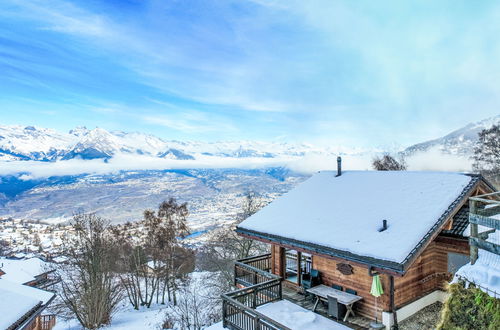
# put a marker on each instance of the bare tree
(197, 306)
(130, 266)
(226, 246)
(487, 154)
(389, 163)
(151, 264)
(89, 289)
(165, 229)
(4, 247)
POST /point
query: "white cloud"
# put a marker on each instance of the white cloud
(35, 169)
(434, 160)
(427, 161)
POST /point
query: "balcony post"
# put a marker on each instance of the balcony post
(224, 312)
(473, 234)
(235, 274)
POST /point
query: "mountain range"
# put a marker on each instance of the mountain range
(214, 195)
(43, 144)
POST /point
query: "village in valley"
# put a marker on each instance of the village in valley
(249, 165)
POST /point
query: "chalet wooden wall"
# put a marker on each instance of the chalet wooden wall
(360, 281)
(429, 272)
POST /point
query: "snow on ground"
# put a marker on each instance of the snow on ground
(125, 319)
(294, 317)
(346, 212)
(486, 270)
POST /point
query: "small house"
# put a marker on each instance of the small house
(410, 228)
(24, 285)
(31, 272)
(21, 307)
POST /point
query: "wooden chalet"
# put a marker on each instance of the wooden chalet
(24, 285)
(21, 307)
(411, 228)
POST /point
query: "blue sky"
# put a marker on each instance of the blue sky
(357, 73)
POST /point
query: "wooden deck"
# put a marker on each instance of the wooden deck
(355, 322)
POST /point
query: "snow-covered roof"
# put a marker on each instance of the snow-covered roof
(17, 299)
(345, 212)
(23, 270)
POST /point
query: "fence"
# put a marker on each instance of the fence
(47, 322)
(483, 208)
(468, 282)
(261, 287)
(253, 270)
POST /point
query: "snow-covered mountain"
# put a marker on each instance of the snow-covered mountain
(41, 144)
(460, 142)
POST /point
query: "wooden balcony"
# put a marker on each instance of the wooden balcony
(484, 211)
(259, 287)
(253, 270)
(47, 322)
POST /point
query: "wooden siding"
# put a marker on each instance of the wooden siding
(429, 272)
(360, 281)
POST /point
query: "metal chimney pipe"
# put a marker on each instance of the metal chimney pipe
(339, 166)
(384, 226)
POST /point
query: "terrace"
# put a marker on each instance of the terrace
(258, 287)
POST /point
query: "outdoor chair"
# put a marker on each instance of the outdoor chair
(351, 291)
(335, 309)
(309, 280)
(337, 287)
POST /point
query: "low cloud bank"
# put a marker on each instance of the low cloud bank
(425, 161)
(434, 160)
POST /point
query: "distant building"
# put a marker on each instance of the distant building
(32, 272)
(24, 296)
(21, 307)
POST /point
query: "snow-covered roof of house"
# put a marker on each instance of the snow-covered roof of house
(17, 300)
(22, 270)
(342, 215)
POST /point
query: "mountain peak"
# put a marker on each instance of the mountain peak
(459, 142)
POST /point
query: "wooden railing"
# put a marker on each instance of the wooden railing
(262, 262)
(47, 322)
(260, 287)
(253, 270)
(239, 307)
(482, 210)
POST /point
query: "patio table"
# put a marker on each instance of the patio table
(321, 292)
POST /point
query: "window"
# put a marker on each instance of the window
(456, 260)
(291, 269)
(296, 263)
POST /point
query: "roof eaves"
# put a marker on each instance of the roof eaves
(315, 248)
(423, 242)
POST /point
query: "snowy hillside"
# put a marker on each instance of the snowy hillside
(214, 196)
(459, 142)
